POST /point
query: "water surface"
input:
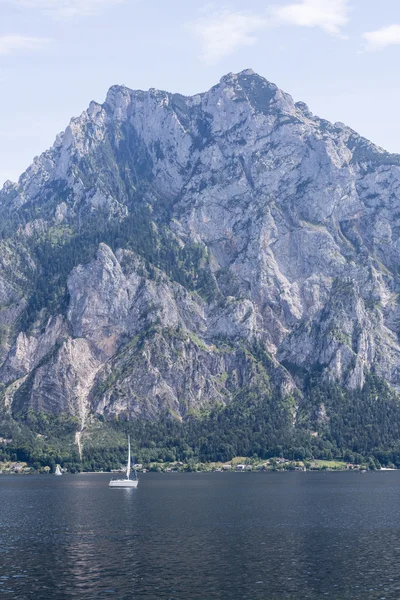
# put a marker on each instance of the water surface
(225, 536)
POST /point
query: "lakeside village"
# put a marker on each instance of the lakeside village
(238, 464)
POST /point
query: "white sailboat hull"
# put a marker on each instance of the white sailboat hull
(124, 483)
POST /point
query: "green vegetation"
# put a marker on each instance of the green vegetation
(41, 440)
(360, 424)
(356, 427)
(58, 251)
(328, 423)
(334, 465)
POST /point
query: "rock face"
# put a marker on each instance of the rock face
(161, 236)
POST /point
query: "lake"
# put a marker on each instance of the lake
(202, 536)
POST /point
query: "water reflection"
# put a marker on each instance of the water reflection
(202, 536)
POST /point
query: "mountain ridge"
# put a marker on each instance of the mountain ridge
(165, 243)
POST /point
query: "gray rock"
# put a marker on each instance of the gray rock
(299, 222)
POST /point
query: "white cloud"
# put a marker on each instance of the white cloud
(65, 8)
(9, 44)
(224, 32)
(329, 15)
(382, 38)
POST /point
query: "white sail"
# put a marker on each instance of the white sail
(126, 483)
(58, 470)
(128, 469)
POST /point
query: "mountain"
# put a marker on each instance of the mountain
(174, 255)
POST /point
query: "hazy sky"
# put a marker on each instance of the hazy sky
(341, 57)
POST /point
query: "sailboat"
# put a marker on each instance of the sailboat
(127, 482)
(58, 470)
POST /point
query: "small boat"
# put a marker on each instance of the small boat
(127, 482)
(58, 471)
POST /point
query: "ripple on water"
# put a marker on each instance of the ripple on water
(203, 537)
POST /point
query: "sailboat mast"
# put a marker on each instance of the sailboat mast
(128, 470)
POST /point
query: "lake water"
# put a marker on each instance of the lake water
(201, 536)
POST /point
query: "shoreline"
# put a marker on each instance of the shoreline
(239, 464)
(254, 472)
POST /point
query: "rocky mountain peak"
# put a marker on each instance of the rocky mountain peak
(163, 237)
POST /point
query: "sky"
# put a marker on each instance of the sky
(341, 57)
